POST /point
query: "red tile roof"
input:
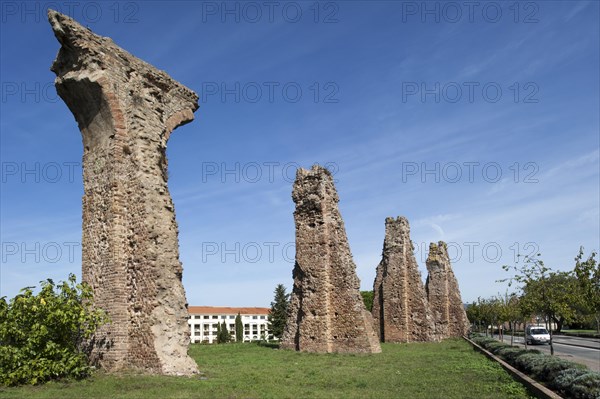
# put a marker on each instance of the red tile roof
(226, 310)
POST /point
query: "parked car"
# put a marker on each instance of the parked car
(537, 335)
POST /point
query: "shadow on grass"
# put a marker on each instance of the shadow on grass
(267, 344)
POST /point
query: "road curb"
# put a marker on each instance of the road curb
(533, 386)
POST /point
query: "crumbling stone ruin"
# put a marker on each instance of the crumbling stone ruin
(326, 313)
(443, 294)
(400, 308)
(126, 110)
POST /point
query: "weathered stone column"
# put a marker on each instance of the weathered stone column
(326, 313)
(444, 297)
(400, 308)
(126, 109)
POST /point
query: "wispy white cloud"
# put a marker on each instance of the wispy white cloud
(576, 8)
(369, 134)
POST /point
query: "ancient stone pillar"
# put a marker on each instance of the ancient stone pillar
(326, 313)
(443, 294)
(400, 308)
(126, 109)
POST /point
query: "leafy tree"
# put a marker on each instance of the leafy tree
(484, 312)
(223, 335)
(239, 329)
(588, 278)
(562, 296)
(278, 313)
(493, 312)
(543, 291)
(511, 312)
(43, 336)
(367, 299)
(473, 314)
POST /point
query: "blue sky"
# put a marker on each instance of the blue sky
(480, 125)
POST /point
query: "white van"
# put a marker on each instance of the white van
(537, 335)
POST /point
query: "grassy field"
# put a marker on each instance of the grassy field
(450, 369)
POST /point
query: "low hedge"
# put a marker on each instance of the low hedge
(569, 379)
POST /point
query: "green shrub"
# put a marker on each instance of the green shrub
(496, 346)
(586, 386)
(549, 369)
(564, 380)
(529, 361)
(570, 379)
(510, 353)
(41, 335)
(483, 341)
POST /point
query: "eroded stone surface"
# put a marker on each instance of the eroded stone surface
(400, 308)
(443, 294)
(126, 109)
(326, 313)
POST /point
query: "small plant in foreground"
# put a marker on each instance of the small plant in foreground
(42, 336)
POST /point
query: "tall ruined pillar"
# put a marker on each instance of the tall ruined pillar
(126, 110)
(326, 313)
(400, 308)
(445, 302)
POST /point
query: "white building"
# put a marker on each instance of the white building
(203, 321)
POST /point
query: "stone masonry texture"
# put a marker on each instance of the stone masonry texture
(326, 313)
(443, 294)
(400, 308)
(126, 110)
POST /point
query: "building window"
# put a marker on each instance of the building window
(206, 317)
(232, 317)
(262, 317)
(215, 317)
(197, 333)
(223, 317)
(254, 317)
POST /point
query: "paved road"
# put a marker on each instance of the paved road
(593, 343)
(588, 351)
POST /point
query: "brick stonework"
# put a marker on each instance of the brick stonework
(443, 294)
(400, 308)
(126, 110)
(326, 313)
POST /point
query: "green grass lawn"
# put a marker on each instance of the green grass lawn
(450, 369)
